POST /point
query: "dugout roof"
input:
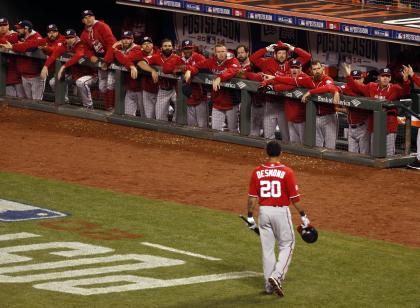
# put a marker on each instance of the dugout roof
(401, 25)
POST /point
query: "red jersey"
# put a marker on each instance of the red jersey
(325, 85)
(127, 57)
(273, 184)
(416, 79)
(180, 63)
(391, 92)
(147, 83)
(222, 99)
(28, 67)
(51, 45)
(159, 59)
(99, 38)
(354, 115)
(12, 75)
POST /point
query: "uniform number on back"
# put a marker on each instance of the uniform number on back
(270, 189)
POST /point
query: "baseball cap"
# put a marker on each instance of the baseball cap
(52, 27)
(70, 33)
(187, 44)
(146, 39)
(356, 74)
(295, 63)
(385, 72)
(87, 13)
(127, 34)
(3, 21)
(24, 24)
(281, 46)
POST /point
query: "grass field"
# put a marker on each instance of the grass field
(337, 271)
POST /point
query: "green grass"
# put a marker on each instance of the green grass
(337, 271)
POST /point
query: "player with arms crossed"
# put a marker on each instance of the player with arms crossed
(273, 186)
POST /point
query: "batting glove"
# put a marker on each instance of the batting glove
(271, 47)
(251, 222)
(305, 221)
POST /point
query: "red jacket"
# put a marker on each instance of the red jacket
(147, 83)
(180, 63)
(28, 67)
(100, 39)
(391, 92)
(78, 50)
(12, 75)
(127, 57)
(222, 99)
(325, 85)
(159, 59)
(416, 79)
(354, 115)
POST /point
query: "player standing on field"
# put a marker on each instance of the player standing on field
(273, 186)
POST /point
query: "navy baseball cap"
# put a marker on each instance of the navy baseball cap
(127, 34)
(87, 13)
(385, 72)
(146, 39)
(24, 24)
(187, 44)
(3, 21)
(295, 63)
(52, 27)
(356, 74)
(70, 33)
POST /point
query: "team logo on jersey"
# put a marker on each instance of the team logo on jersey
(14, 211)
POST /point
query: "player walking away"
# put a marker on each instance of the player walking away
(224, 69)
(416, 80)
(326, 117)
(197, 107)
(358, 135)
(13, 78)
(278, 65)
(127, 52)
(383, 89)
(273, 186)
(84, 76)
(98, 36)
(28, 68)
(148, 84)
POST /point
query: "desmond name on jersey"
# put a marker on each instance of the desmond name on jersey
(271, 173)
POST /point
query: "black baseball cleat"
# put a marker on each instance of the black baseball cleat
(277, 288)
(414, 165)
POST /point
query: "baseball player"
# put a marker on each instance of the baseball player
(224, 69)
(383, 89)
(416, 80)
(278, 65)
(28, 68)
(326, 117)
(197, 107)
(13, 78)
(84, 76)
(127, 52)
(358, 135)
(98, 36)
(273, 186)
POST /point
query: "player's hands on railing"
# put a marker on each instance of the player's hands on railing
(44, 72)
(104, 66)
(60, 72)
(187, 76)
(216, 84)
(346, 68)
(271, 47)
(94, 59)
(336, 98)
(155, 76)
(251, 223)
(7, 45)
(305, 221)
(133, 72)
(305, 97)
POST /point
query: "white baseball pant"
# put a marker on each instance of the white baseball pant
(33, 87)
(218, 118)
(68, 80)
(359, 139)
(198, 115)
(390, 143)
(149, 103)
(164, 97)
(15, 90)
(83, 85)
(274, 115)
(106, 80)
(326, 131)
(133, 101)
(257, 119)
(296, 132)
(275, 224)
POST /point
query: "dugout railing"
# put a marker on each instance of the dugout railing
(246, 87)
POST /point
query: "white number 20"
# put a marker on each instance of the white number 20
(270, 189)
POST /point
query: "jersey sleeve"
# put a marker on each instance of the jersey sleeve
(291, 186)
(257, 58)
(253, 190)
(303, 56)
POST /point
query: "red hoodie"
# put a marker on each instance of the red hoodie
(12, 75)
(127, 57)
(100, 39)
(28, 67)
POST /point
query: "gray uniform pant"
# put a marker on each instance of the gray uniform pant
(164, 98)
(106, 80)
(218, 118)
(359, 139)
(276, 225)
(15, 90)
(198, 115)
(274, 116)
(326, 131)
(149, 103)
(257, 119)
(66, 94)
(133, 101)
(390, 143)
(296, 132)
(33, 87)
(83, 85)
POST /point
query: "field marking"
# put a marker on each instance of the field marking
(16, 236)
(180, 251)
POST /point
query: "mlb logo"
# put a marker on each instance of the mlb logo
(238, 13)
(14, 211)
(333, 25)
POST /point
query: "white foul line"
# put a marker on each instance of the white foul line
(180, 251)
(16, 236)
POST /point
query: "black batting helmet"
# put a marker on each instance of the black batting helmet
(308, 234)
